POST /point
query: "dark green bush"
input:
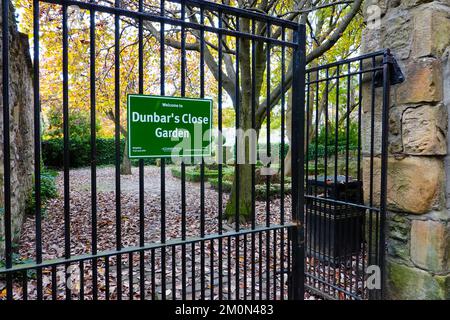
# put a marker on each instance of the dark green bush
(193, 175)
(80, 153)
(48, 190)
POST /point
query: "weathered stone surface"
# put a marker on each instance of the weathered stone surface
(417, 31)
(395, 31)
(407, 179)
(398, 233)
(430, 245)
(407, 283)
(423, 83)
(431, 30)
(424, 130)
(20, 131)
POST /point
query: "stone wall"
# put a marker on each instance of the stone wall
(418, 227)
(21, 129)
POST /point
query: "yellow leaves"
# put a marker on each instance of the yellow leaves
(3, 293)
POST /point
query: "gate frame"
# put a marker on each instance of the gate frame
(296, 280)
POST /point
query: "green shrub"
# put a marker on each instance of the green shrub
(48, 191)
(193, 174)
(260, 189)
(80, 153)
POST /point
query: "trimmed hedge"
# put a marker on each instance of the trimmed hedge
(260, 189)
(194, 175)
(330, 150)
(80, 153)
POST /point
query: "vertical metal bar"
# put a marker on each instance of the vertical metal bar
(141, 163)
(107, 278)
(237, 209)
(321, 246)
(174, 276)
(351, 236)
(289, 264)
(384, 166)
(37, 145)
(130, 275)
(283, 125)
(253, 196)
(163, 161)
(341, 227)
(25, 285)
(237, 124)
(298, 141)
(202, 166)
(229, 267)
(359, 118)
(309, 117)
(260, 265)
(220, 57)
(6, 146)
(282, 168)
(274, 272)
(54, 284)
(372, 154)
(93, 154)
(152, 261)
(313, 243)
(268, 151)
(245, 267)
(65, 67)
(183, 165)
(229, 243)
(81, 266)
(211, 267)
(362, 258)
(117, 147)
(193, 275)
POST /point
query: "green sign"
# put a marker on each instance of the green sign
(168, 126)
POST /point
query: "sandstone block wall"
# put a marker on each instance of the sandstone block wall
(21, 129)
(418, 228)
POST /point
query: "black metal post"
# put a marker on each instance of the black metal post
(384, 165)
(298, 160)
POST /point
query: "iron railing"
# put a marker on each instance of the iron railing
(256, 260)
(346, 191)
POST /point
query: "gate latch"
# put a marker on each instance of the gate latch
(396, 74)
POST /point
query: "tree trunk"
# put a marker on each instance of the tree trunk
(125, 168)
(311, 133)
(243, 199)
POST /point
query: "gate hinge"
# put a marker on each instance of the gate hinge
(396, 74)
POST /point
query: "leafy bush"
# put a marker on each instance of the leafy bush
(330, 150)
(79, 124)
(48, 190)
(330, 134)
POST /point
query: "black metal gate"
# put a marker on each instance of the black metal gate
(259, 259)
(324, 231)
(347, 115)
